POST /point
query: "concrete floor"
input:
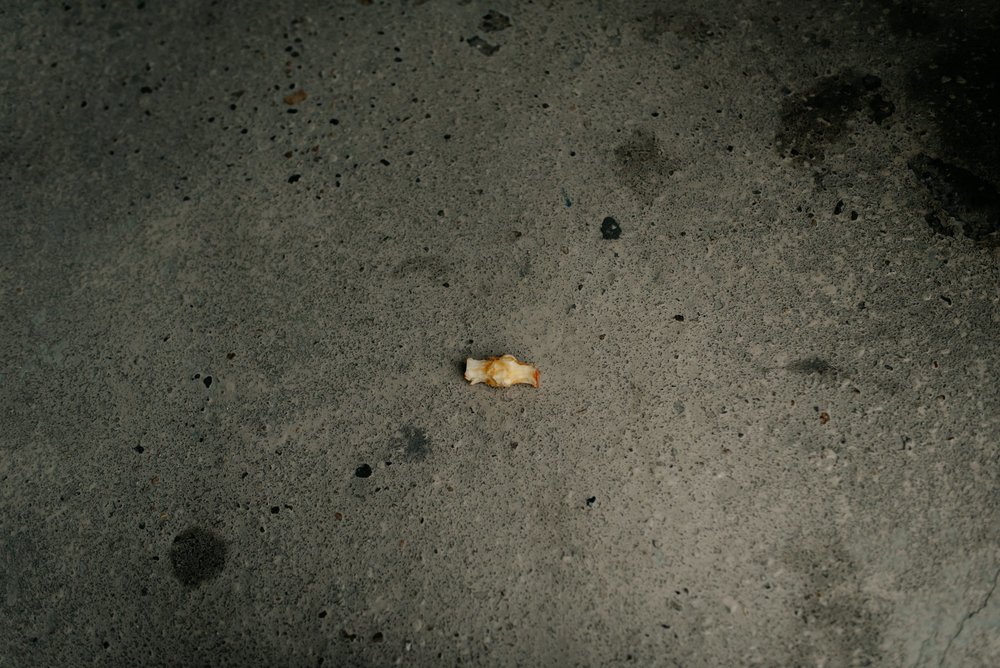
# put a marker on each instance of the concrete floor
(246, 247)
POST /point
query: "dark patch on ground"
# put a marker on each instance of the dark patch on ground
(958, 86)
(685, 25)
(962, 201)
(494, 21)
(197, 555)
(524, 268)
(811, 122)
(908, 18)
(642, 165)
(482, 45)
(879, 108)
(413, 442)
(838, 617)
(810, 365)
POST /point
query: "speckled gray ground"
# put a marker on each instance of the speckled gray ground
(245, 248)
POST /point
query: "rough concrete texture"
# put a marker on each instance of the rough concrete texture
(246, 247)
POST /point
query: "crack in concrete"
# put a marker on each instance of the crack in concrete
(961, 626)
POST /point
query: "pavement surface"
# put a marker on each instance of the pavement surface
(245, 249)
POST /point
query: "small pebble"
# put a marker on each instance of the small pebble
(610, 229)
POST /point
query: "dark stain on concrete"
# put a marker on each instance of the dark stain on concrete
(197, 555)
(494, 21)
(961, 201)
(909, 18)
(813, 121)
(810, 365)
(413, 441)
(481, 45)
(642, 165)
(837, 617)
(957, 86)
(879, 108)
(687, 26)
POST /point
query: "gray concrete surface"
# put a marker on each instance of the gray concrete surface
(246, 247)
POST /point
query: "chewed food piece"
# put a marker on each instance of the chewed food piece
(502, 371)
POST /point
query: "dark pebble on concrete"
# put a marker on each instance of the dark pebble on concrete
(610, 229)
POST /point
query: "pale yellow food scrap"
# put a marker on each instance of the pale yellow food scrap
(502, 371)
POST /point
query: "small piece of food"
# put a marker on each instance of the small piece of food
(296, 97)
(502, 371)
